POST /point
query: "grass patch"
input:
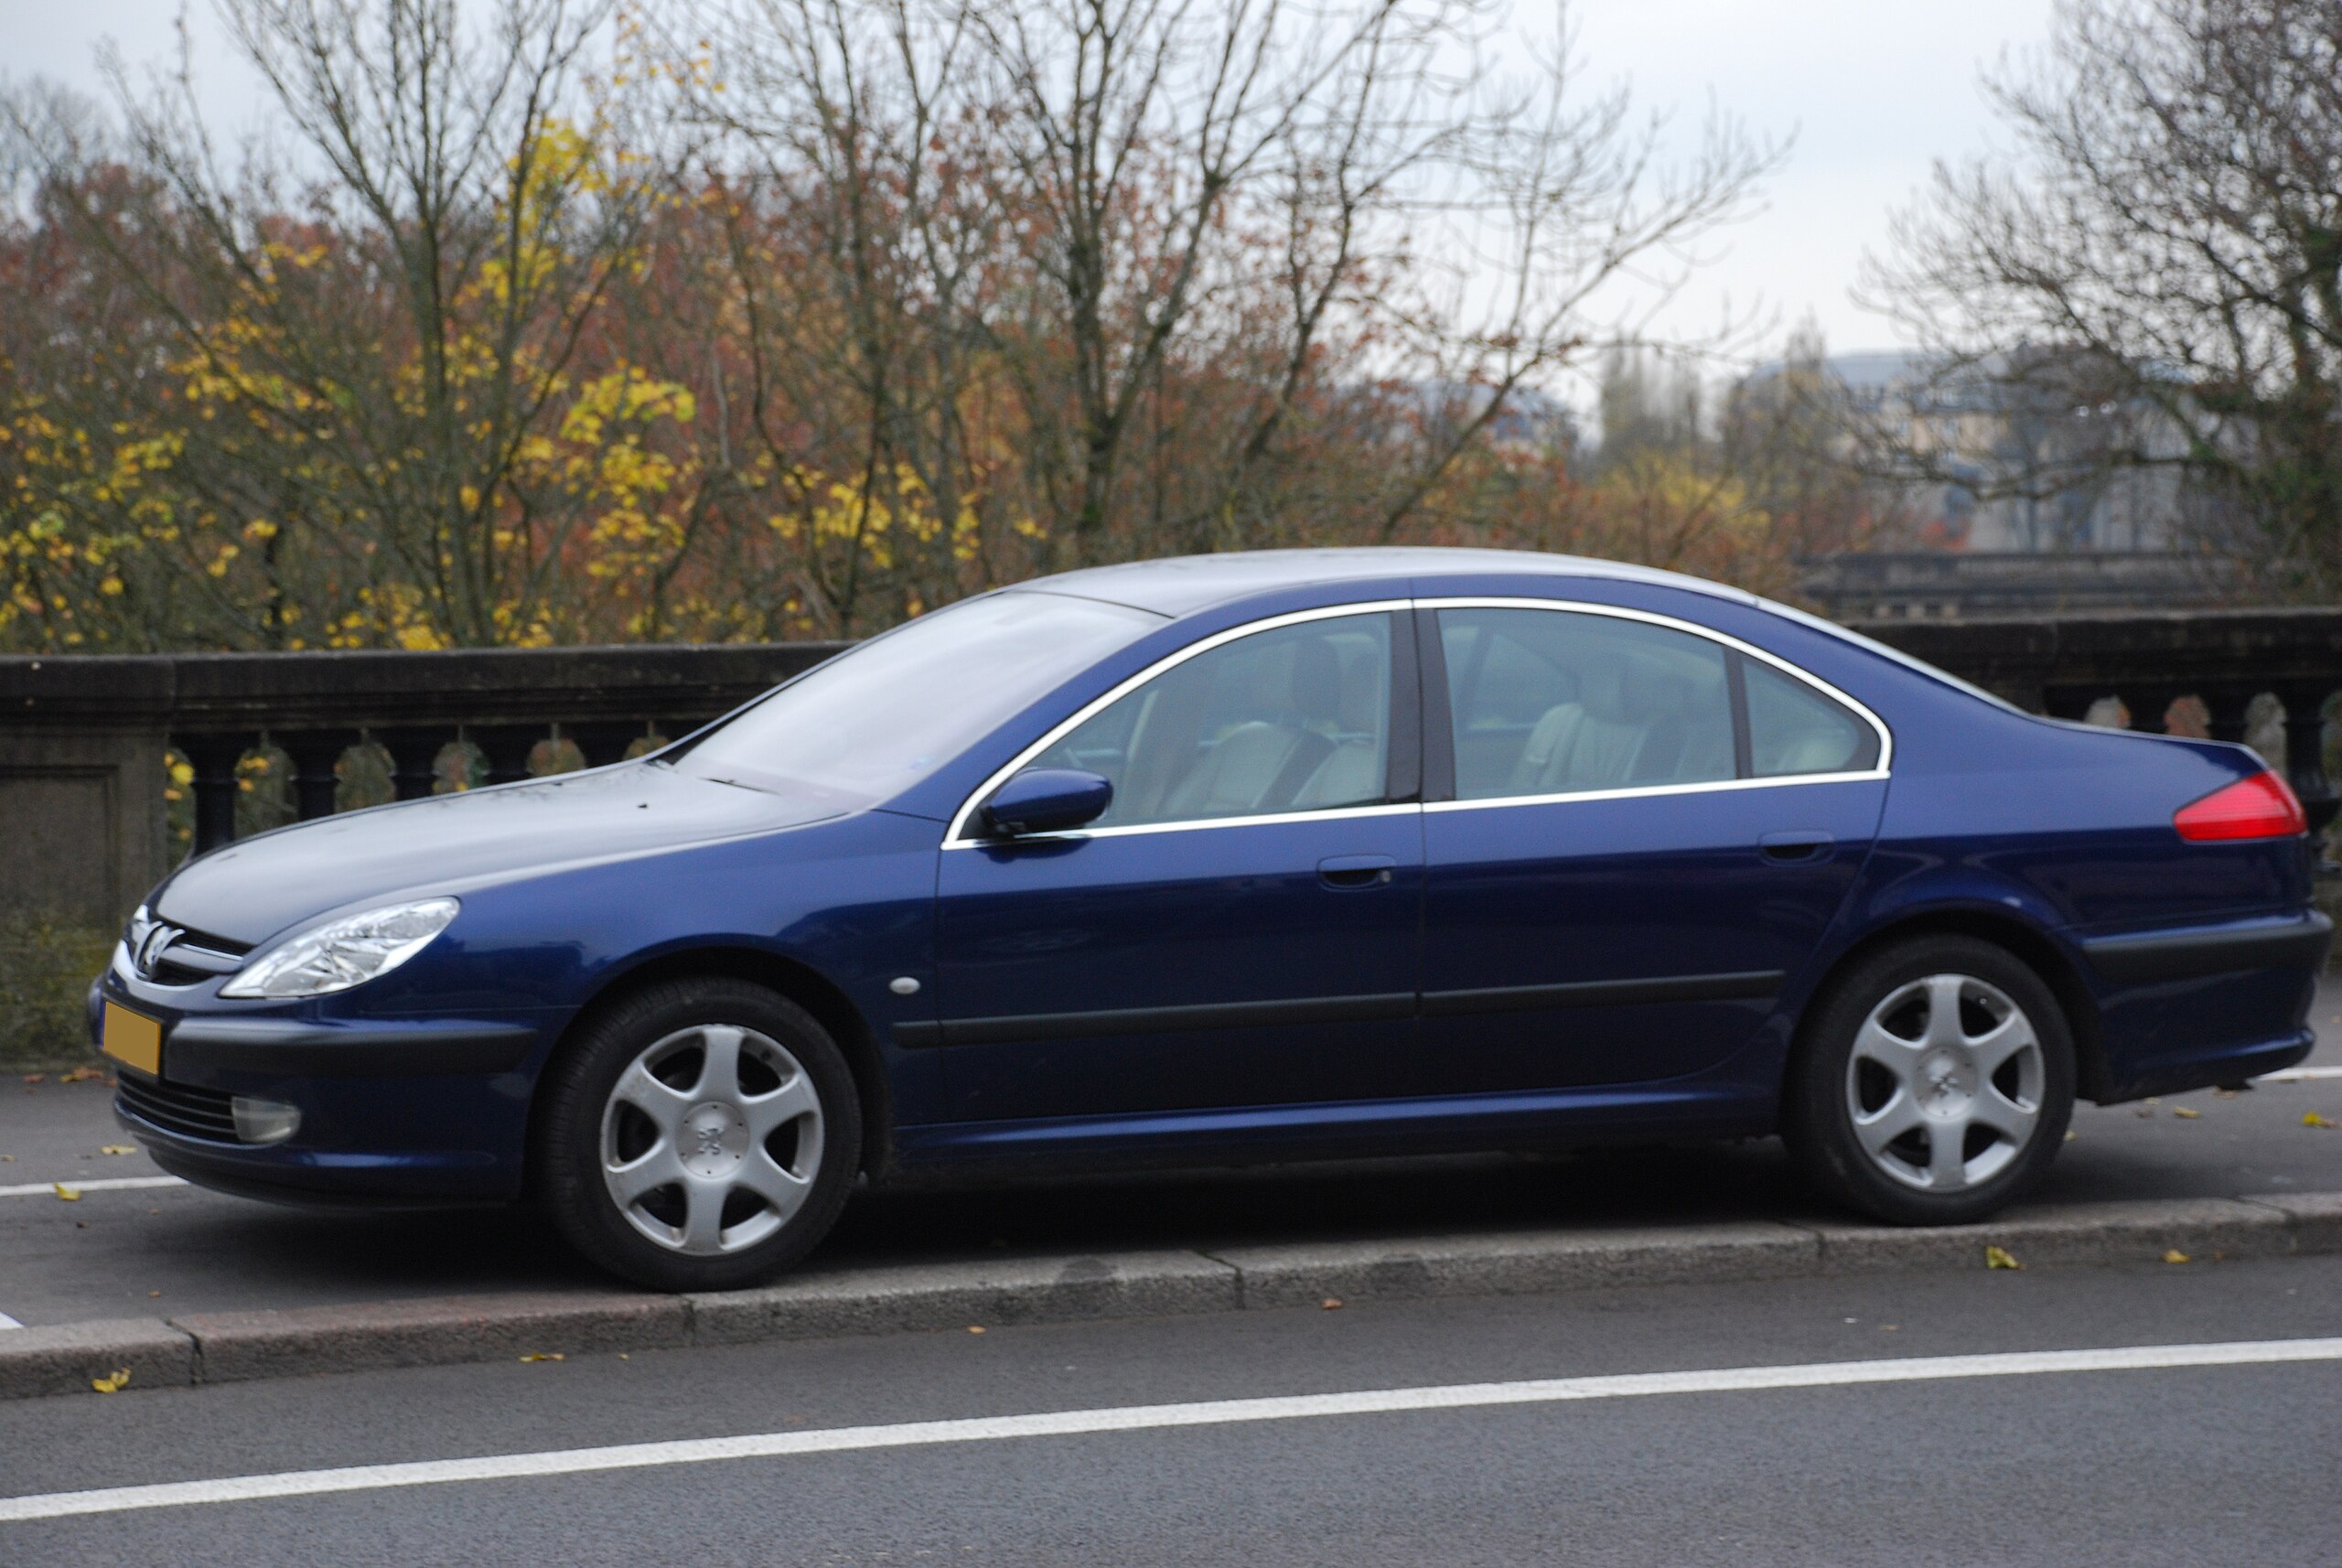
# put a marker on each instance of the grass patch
(46, 967)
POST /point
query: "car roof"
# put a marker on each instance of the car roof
(1181, 584)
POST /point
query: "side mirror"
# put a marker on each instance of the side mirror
(1047, 801)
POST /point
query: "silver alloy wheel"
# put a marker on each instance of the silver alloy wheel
(688, 1137)
(1945, 1082)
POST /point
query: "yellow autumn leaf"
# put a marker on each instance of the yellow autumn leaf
(544, 1356)
(70, 1193)
(117, 1148)
(113, 1383)
(2000, 1258)
(2176, 1256)
(2185, 1113)
(2312, 1119)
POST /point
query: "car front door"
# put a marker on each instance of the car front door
(1240, 928)
(1646, 832)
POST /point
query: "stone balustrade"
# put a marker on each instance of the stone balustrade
(84, 740)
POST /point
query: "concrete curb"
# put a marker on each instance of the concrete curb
(217, 1348)
(235, 1347)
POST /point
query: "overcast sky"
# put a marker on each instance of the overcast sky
(1873, 89)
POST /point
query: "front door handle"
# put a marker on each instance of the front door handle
(1350, 870)
(1789, 848)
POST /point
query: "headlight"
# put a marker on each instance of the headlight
(344, 952)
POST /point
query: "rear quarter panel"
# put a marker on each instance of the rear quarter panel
(2058, 831)
(2067, 830)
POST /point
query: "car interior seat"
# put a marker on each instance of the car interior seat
(1353, 773)
(1627, 727)
(1262, 763)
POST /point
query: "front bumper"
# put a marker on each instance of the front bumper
(395, 1111)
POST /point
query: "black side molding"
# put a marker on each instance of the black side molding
(200, 1046)
(2285, 942)
(1753, 984)
(1158, 1020)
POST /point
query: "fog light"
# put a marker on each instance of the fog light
(264, 1121)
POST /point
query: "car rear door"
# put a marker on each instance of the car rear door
(1635, 832)
(1240, 928)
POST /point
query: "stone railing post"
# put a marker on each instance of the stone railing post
(2305, 759)
(316, 754)
(81, 781)
(214, 760)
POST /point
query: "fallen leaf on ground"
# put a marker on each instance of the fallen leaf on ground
(2176, 1256)
(78, 1075)
(1331, 1304)
(544, 1356)
(70, 1193)
(35, 1078)
(975, 1329)
(114, 1383)
(2071, 1136)
(2000, 1258)
(2312, 1119)
(2182, 1111)
(117, 1148)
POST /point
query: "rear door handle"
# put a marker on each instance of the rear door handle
(1347, 871)
(1794, 847)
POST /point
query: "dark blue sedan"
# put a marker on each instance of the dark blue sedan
(1229, 859)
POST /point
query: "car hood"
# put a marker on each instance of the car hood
(250, 890)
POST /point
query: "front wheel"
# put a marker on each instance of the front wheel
(1933, 1085)
(702, 1135)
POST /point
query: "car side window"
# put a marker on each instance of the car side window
(1556, 702)
(1293, 719)
(1792, 728)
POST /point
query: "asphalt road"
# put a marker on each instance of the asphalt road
(2196, 1465)
(145, 1252)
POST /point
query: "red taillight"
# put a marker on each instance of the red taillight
(2260, 807)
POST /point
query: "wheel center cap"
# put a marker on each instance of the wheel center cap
(715, 1139)
(1947, 1083)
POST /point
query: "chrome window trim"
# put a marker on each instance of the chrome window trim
(1881, 769)
(1708, 786)
(958, 836)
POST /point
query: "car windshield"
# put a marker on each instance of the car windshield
(884, 715)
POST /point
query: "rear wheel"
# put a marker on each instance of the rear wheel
(702, 1135)
(1933, 1085)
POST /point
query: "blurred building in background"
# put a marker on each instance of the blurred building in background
(2018, 492)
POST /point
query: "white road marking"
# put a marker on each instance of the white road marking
(2301, 1075)
(1148, 1417)
(99, 1183)
(9, 1322)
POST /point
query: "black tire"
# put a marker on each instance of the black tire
(775, 1035)
(1829, 1089)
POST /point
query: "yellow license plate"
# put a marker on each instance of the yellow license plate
(132, 1039)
